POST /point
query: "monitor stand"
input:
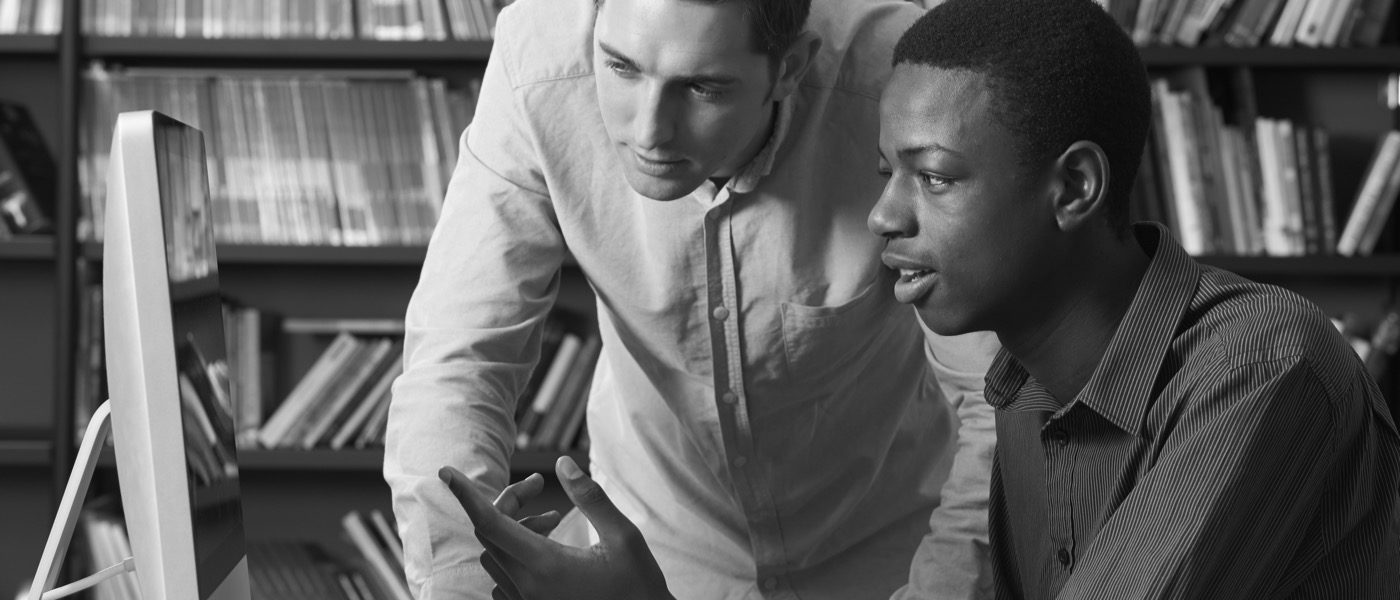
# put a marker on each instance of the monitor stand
(67, 518)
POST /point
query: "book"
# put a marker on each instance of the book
(1370, 22)
(382, 569)
(549, 390)
(380, 355)
(1326, 205)
(378, 394)
(285, 417)
(1368, 198)
(28, 174)
(572, 392)
(387, 536)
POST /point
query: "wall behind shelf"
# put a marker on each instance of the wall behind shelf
(26, 511)
(27, 356)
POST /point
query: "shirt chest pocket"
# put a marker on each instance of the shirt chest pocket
(828, 344)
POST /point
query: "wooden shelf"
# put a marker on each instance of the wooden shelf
(304, 255)
(368, 460)
(25, 453)
(1308, 266)
(281, 49)
(350, 460)
(1167, 56)
(36, 247)
(478, 50)
(28, 44)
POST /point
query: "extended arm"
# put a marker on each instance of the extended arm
(952, 561)
(472, 336)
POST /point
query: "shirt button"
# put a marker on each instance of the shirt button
(770, 584)
(729, 397)
(1064, 557)
(1059, 437)
(740, 461)
(720, 313)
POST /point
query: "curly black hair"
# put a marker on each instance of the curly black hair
(1059, 71)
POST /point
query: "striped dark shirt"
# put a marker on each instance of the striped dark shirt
(1230, 444)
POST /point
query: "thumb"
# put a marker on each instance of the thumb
(612, 526)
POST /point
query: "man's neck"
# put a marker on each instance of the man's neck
(754, 147)
(1064, 348)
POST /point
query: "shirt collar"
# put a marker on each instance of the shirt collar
(1121, 387)
(747, 178)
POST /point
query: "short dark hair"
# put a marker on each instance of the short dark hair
(775, 24)
(1059, 71)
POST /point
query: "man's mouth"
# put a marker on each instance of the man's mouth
(912, 275)
(914, 284)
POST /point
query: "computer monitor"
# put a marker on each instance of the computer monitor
(172, 416)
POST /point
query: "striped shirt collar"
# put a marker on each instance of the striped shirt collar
(1121, 387)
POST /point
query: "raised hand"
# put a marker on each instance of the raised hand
(526, 565)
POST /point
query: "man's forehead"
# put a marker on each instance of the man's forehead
(640, 29)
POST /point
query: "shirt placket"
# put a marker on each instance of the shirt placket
(732, 402)
(1060, 455)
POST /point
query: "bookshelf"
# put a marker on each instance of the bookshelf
(27, 44)
(29, 248)
(1295, 58)
(39, 309)
(25, 453)
(236, 50)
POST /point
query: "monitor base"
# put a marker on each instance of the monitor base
(61, 535)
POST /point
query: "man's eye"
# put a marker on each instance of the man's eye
(618, 66)
(705, 92)
(934, 181)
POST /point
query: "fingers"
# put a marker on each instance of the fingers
(511, 537)
(505, 586)
(589, 497)
(542, 524)
(514, 497)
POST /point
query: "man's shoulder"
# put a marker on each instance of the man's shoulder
(858, 39)
(1251, 325)
(545, 40)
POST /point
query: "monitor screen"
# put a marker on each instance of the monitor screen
(206, 408)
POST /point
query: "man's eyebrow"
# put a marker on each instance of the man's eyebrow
(714, 80)
(616, 54)
(930, 148)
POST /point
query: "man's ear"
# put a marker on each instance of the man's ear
(792, 67)
(1081, 183)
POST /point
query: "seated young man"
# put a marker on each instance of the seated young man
(1166, 429)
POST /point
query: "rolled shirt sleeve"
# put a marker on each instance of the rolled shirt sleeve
(472, 336)
(952, 561)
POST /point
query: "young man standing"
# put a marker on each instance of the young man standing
(1166, 429)
(763, 409)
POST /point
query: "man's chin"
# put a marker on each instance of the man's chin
(661, 189)
(943, 321)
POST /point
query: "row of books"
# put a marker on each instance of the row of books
(343, 400)
(275, 19)
(551, 413)
(1258, 186)
(373, 569)
(378, 548)
(352, 158)
(43, 17)
(28, 175)
(1248, 23)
